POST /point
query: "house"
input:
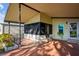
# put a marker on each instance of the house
(61, 21)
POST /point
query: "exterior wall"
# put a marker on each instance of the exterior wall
(34, 19)
(57, 21)
(39, 18)
(45, 18)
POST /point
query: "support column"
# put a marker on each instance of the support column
(3, 28)
(9, 28)
(19, 24)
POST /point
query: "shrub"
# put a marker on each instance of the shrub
(9, 44)
(7, 39)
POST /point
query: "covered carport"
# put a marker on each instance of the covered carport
(23, 12)
(57, 13)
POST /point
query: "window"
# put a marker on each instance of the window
(73, 29)
(60, 29)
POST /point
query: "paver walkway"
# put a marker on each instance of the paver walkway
(51, 48)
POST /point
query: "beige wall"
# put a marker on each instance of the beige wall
(40, 17)
(34, 19)
(45, 18)
(55, 23)
(27, 13)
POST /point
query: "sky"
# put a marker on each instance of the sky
(3, 10)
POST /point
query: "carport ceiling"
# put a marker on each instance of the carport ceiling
(16, 13)
(29, 10)
(57, 9)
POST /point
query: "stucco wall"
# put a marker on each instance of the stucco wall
(45, 18)
(40, 17)
(65, 22)
(34, 19)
